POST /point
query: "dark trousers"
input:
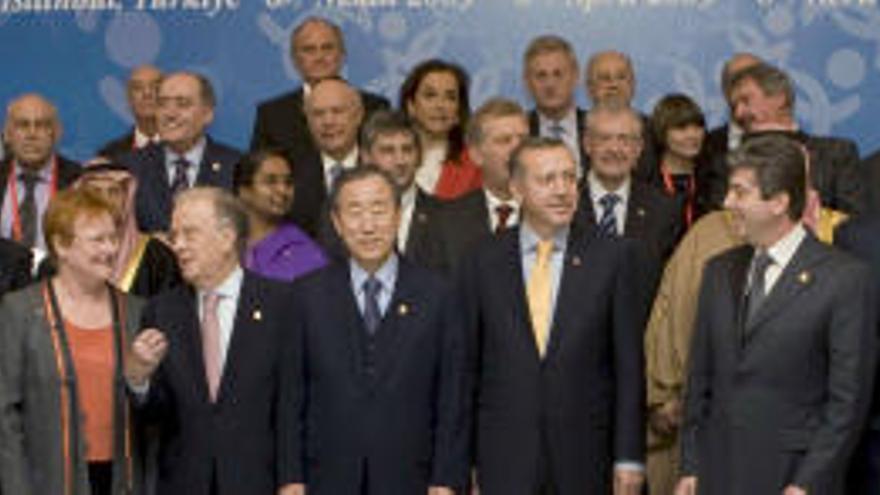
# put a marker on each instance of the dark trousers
(864, 472)
(101, 478)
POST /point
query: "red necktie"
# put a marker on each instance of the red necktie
(211, 342)
(503, 213)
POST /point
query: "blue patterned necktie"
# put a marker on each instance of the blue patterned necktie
(180, 182)
(607, 226)
(372, 314)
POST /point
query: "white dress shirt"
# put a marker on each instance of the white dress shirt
(407, 207)
(229, 291)
(428, 173)
(493, 202)
(781, 253)
(570, 135)
(348, 162)
(598, 191)
(193, 156)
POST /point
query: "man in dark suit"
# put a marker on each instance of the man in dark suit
(142, 91)
(389, 142)
(763, 98)
(334, 111)
(871, 176)
(861, 237)
(611, 82)
(187, 156)
(550, 72)
(213, 369)
(728, 136)
(495, 129)
(33, 171)
(317, 48)
(383, 385)
(614, 201)
(784, 346)
(16, 266)
(556, 319)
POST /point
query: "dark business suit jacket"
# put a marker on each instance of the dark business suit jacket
(154, 202)
(461, 226)
(420, 248)
(281, 122)
(835, 172)
(779, 399)
(871, 179)
(68, 172)
(395, 423)
(15, 266)
(119, 146)
(861, 237)
(651, 217)
(585, 398)
(241, 439)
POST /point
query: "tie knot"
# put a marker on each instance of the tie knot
(210, 301)
(182, 162)
(29, 178)
(503, 210)
(372, 286)
(762, 261)
(609, 200)
(556, 130)
(544, 249)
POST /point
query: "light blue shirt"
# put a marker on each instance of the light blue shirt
(528, 241)
(193, 156)
(386, 275)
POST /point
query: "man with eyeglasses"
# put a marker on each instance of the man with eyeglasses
(611, 81)
(33, 171)
(317, 49)
(615, 202)
(186, 156)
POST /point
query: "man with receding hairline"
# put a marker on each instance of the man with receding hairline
(32, 170)
(317, 48)
(334, 111)
(142, 91)
(186, 156)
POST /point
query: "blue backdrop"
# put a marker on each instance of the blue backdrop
(80, 57)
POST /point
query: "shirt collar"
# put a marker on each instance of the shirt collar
(408, 197)
(567, 122)
(386, 274)
(193, 156)
(597, 190)
(783, 250)
(142, 139)
(44, 172)
(493, 201)
(528, 239)
(348, 162)
(231, 286)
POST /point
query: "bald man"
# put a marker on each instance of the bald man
(317, 49)
(611, 82)
(32, 170)
(142, 91)
(334, 112)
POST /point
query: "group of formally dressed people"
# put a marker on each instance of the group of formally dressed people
(437, 300)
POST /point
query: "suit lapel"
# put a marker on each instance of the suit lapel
(352, 322)
(418, 227)
(588, 213)
(247, 323)
(569, 296)
(636, 213)
(392, 334)
(187, 315)
(210, 169)
(794, 278)
(510, 272)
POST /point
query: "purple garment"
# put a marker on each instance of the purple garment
(285, 254)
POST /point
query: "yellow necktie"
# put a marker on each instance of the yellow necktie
(538, 292)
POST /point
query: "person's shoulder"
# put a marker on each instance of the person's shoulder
(280, 101)
(222, 151)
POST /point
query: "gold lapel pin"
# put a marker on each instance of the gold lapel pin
(215, 166)
(805, 277)
(258, 315)
(403, 309)
(640, 212)
(422, 218)
(576, 260)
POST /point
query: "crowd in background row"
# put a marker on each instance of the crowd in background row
(546, 265)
